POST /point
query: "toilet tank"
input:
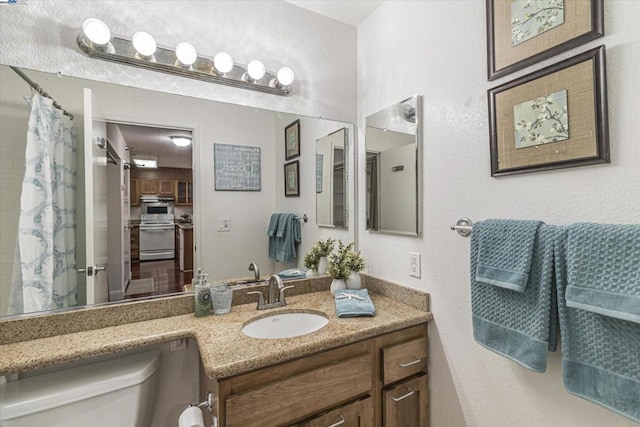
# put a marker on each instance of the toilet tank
(110, 393)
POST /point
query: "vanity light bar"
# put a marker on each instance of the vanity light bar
(121, 50)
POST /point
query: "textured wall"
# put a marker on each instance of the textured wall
(41, 35)
(437, 49)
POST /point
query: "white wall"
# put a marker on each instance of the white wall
(438, 49)
(41, 35)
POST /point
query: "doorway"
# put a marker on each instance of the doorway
(153, 208)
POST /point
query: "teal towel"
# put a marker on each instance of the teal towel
(293, 273)
(600, 354)
(603, 262)
(271, 232)
(358, 305)
(520, 326)
(505, 252)
(287, 236)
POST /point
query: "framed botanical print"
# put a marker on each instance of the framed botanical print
(523, 32)
(292, 179)
(552, 118)
(292, 140)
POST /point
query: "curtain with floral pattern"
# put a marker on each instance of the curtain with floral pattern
(44, 275)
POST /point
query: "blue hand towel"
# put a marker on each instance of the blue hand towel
(287, 236)
(271, 232)
(604, 269)
(293, 273)
(517, 325)
(354, 303)
(505, 252)
(600, 356)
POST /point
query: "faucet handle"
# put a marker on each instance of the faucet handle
(260, 299)
(284, 288)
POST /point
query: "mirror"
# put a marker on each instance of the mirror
(331, 180)
(229, 226)
(394, 168)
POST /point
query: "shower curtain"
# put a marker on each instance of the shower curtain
(44, 275)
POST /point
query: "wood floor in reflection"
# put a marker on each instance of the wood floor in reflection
(166, 274)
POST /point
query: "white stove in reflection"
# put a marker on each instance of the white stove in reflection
(157, 237)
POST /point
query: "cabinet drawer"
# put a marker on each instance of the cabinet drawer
(402, 360)
(405, 405)
(356, 414)
(279, 403)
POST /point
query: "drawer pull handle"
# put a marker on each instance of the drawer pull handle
(404, 365)
(398, 399)
(339, 423)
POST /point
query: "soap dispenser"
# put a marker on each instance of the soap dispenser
(202, 293)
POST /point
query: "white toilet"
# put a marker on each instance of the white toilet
(117, 392)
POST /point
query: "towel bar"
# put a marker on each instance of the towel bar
(304, 217)
(463, 226)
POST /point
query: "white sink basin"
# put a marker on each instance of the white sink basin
(284, 325)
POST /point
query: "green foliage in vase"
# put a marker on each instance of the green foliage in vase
(321, 249)
(345, 260)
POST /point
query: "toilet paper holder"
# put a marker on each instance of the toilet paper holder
(205, 404)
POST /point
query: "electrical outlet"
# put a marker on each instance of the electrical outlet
(414, 264)
(224, 224)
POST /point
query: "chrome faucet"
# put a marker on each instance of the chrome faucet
(276, 294)
(256, 271)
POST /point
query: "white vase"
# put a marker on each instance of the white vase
(312, 272)
(337, 285)
(354, 281)
(323, 265)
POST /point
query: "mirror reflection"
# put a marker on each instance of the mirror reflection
(222, 231)
(331, 180)
(393, 168)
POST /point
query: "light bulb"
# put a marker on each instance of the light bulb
(144, 43)
(181, 141)
(186, 53)
(96, 31)
(222, 62)
(285, 76)
(256, 69)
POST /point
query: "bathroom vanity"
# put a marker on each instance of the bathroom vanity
(380, 381)
(367, 371)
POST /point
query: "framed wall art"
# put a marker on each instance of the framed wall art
(292, 140)
(523, 32)
(552, 118)
(237, 167)
(292, 179)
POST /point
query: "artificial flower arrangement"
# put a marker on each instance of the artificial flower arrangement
(344, 266)
(322, 248)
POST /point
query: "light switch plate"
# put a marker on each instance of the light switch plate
(415, 264)
(224, 224)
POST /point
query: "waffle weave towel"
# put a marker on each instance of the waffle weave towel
(505, 252)
(600, 353)
(604, 269)
(520, 326)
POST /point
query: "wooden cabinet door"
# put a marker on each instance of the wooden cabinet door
(184, 193)
(165, 186)
(405, 405)
(149, 186)
(134, 192)
(356, 414)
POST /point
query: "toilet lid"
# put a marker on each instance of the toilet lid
(65, 386)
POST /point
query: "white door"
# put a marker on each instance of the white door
(95, 171)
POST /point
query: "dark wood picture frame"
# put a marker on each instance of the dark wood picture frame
(586, 19)
(584, 79)
(292, 140)
(292, 179)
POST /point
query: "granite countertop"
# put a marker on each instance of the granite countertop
(224, 350)
(184, 225)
